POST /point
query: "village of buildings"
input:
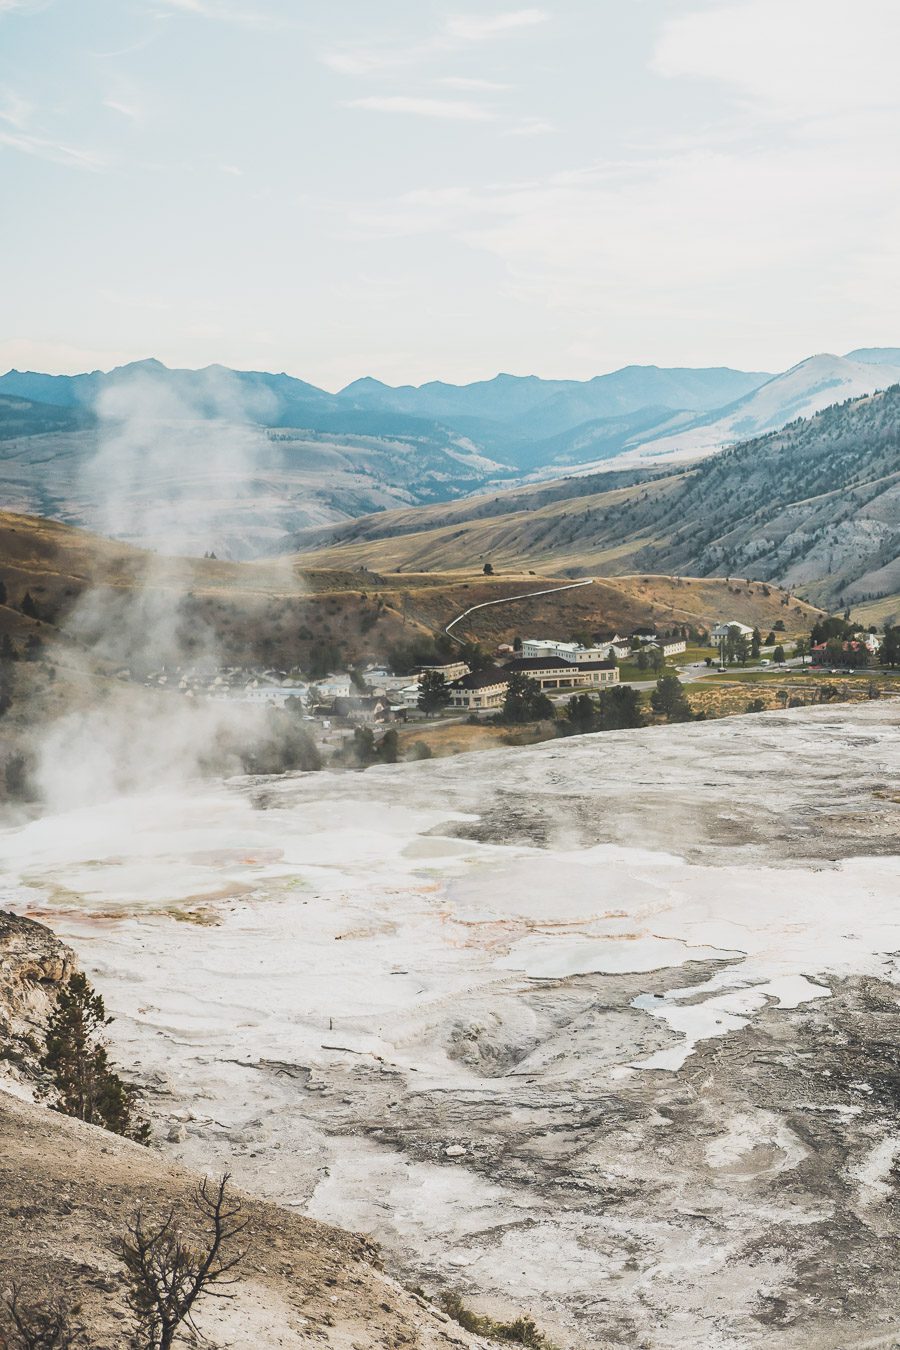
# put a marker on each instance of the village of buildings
(376, 695)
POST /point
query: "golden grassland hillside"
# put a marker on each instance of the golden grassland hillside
(578, 525)
(289, 613)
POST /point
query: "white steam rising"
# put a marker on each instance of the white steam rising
(171, 471)
(171, 474)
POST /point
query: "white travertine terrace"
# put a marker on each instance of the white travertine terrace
(437, 955)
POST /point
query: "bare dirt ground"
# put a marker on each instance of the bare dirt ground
(67, 1192)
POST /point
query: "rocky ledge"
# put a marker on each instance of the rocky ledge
(33, 964)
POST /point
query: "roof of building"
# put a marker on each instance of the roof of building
(359, 703)
(525, 664)
(482, 679)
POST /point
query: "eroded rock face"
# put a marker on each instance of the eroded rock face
(33, 965)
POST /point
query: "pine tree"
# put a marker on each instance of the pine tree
(84, 1084)
(433, 692)
(670, 700)
(388, 748)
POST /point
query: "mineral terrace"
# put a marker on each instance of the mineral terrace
(606, 1030)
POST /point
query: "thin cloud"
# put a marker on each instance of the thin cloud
(225, 12)
(477, 27)
(451, 110)
(459, 31)
(358, 62)
(532, 126)
(15, 110)
(130, 111)
(463, 82)
(53, 151)
(828, 60)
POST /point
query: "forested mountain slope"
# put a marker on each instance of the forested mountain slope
(815, 505)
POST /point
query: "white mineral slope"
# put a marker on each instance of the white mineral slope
(396, 1000)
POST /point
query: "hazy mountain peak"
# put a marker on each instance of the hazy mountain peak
(876, 356)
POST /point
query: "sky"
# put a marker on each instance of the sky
(417, 190)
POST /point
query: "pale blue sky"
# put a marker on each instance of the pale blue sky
(414, 189)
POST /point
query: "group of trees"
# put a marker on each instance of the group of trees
(649, 659)
(362, 749)
(616, 709)
(835, 631)
(27, 604)
(525, 702)
(619, 708)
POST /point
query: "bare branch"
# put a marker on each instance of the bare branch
(169, 1273)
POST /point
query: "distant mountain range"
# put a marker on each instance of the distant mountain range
(507, 418)
(807, 388)
(319, 458)
(815, 505)
(524, 423)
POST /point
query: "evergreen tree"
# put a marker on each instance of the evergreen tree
(524, 701)
(620, 708)
(433, 692)
(83, 1083)
(475, 657)
(890, 647)
(28, 607)
(670, 701)
(361, 750)
(581, 715)
(388, 749)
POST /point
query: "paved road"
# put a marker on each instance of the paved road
(508, 600)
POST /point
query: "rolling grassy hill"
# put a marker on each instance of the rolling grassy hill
(280, 612)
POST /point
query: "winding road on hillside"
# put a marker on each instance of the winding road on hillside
(508, 600)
